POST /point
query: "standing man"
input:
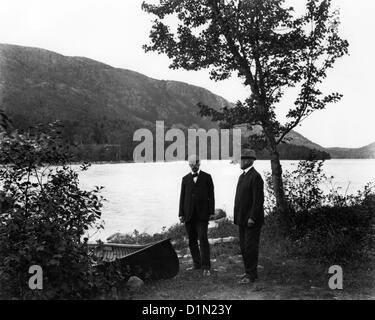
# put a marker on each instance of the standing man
(249, 214)
(197, 205)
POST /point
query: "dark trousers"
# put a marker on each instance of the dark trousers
(197, 230)
(249, 244)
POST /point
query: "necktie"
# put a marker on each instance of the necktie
(195, 175)
(242, 176)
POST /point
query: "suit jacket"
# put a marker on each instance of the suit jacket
(249, 199)
(198, 196)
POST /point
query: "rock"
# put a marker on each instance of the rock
(223, 240)
(215, 223)
(116, 237)
(134, 283)
(234, 260)
(219, 213)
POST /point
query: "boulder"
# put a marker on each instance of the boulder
(223, 240)
(134, 283)
(219, 214)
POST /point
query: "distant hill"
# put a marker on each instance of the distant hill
(365, 152)
(297, 146)
(101, 106)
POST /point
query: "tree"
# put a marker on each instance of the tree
(5, 123)
(268, 45)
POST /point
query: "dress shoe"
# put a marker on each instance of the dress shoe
(206, 273)
(193, 268)
(246, 280)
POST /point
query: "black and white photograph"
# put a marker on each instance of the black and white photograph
(198, 152)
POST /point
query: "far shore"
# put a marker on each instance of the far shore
(132, 161)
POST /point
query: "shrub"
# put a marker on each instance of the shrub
(44, 218)
(329, 227)
(302, 186)
(334, 234)
(224, 228)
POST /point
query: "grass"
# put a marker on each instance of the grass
(282, 274)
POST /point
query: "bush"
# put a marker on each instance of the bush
(328, 227)
(334, 234)
(44, 218)
(224, 228)
(302, 186)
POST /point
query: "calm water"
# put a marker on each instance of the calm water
(145, 196)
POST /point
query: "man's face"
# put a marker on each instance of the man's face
(194, 165)
(245, 163)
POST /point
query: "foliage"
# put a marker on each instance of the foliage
(108, 278)
(302, 186)
(328, 226)
(45, 218)
(5, 123)
(91, 139)
(224, 228)
(335, 235)
(265, 42)
(268, 45)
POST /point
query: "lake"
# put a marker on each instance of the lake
(145, 196)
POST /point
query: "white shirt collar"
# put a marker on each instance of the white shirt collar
(196, 172)
(247, 169)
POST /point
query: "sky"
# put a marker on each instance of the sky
(113, 32)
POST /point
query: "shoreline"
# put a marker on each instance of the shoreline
(177, 161)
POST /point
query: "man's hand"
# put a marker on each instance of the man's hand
(250, 222)
(182, 219)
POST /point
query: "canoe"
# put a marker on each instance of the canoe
(151, 261)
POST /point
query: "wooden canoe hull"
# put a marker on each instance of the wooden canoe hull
(148, 262)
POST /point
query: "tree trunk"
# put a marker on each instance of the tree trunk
(277, 182)
(277, 173)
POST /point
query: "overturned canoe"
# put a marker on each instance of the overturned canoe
(151, 261)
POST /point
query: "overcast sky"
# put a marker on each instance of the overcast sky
(113, 31)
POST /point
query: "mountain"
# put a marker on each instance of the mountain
(101, 106)
(98, 104)
(365, 152)
(297, 147)
(39, 84)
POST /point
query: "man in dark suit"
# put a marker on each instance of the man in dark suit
(197, 205)
(249, 214)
